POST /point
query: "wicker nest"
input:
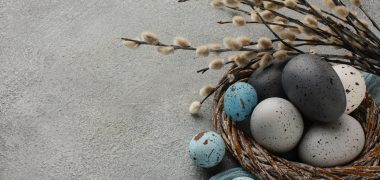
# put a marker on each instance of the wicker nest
(265, 165)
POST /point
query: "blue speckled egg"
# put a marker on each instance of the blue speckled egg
(207, 149)
(239, 101)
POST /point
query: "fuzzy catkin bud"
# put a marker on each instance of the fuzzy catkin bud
(165, 50)
(255, 17)
(241, 61)
(310, 21)
(264, 43)
(341, 11)
(232, 43)
(290, 3)
(195, 107)
(280, 55)
(202, 51)
(287, 34)
(216, 64)
(232, 3)
(181, 41)
(238, 21)
(130, 44)
(244, 40)
(266, 60)
(281, 19)
(217, 3)
(329, 3)
(150, 38)
(206, 90)
(277, 27)
(267, 15)
(357, 2)
(271, 6)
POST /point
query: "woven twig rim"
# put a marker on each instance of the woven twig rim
(265, 165)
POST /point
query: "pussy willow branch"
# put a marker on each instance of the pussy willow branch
(207, 68)
(254, 22)
(190, 48)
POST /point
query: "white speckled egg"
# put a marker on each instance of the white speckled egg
(332, 144)
(354, 85)
(277, 125)
(207, 149)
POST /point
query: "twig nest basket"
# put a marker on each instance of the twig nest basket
(266, 165)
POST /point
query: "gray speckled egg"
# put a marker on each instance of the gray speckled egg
(207, 149)
(332, 144)
(314, 88)
(354, 85)
(277, 125)
(267, 82)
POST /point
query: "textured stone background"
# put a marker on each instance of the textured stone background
(75, 104)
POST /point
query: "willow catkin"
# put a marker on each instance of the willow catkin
(206, 90)
(341, 11)
(238, 21)
(217, 3)
(232, 3)
(280, 55)
(290, 3)
(216, 64)
(150, 37)
(232, 43)
(264, 43)
(244, 40)
(202, 51)
(130, 44)
(195, 107)
(181, 41)
(165, 50)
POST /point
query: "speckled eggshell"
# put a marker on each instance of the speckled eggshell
(354, 85)
(313, 86)
(239, 101)
(277, 125)
(332, 144)
(267, 82)
(207, 149)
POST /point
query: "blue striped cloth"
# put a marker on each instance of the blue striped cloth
(373, 89)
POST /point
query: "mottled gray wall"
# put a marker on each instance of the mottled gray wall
(75, 104)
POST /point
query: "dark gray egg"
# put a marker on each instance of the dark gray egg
(314, 87)
(267, 82)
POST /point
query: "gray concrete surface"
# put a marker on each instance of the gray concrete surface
(75, 104)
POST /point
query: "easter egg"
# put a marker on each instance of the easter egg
(332, 144)
(267, 82)
(354, 85)
(277, 125)
(207, 149)
(313, 86)
(239, 101)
